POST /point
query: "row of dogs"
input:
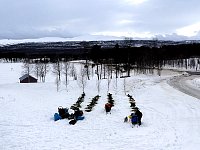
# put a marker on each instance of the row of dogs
(136, 113)
(108, 107)
(78, 102)
(92, 103)
(109, 104)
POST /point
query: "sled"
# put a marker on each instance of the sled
(57, 117)
(80, 118)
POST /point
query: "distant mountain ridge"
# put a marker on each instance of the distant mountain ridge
(59, 39)
(173, 37)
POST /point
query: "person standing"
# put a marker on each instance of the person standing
(139, 114)
(108, 107)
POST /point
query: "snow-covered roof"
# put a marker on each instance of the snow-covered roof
(25, 76)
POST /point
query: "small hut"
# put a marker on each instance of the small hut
(27, 79)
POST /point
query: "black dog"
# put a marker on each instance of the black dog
(126, 119)
(72, 122)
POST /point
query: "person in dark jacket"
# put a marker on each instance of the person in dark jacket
(134, 119)
(108, 107)
(139, 114)
(63, 112)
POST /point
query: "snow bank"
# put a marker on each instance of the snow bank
(196, 82)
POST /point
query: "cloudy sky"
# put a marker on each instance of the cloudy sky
(23, 19)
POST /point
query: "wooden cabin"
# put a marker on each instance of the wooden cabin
(27, 79)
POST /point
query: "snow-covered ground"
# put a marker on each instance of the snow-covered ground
(196, 82)
(170, 118)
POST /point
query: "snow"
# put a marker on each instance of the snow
(195, 82)
(170, 118)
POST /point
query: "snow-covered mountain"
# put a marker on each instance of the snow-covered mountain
(58, 39)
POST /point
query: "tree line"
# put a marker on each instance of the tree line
(123, 57)
(84, 70)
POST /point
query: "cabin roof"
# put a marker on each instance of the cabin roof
(25, 76)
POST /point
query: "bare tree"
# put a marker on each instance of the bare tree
(93, 65)
(98, 84)
(108, 78)
(82, 78)
(57, 83)
(104, 71)
(87, 69)
(36, 69)
(66, 72)
(124, 85)
(98, 81)
(117, 68)
(97, 72)
(57, 68)
(27, 68)
(46, 70)
(101, 70)
(73, 72)
(115, 85)
(41, 70)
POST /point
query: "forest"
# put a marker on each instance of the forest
(121, 56)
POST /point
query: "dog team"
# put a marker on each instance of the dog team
(136, 115)
(134, 118)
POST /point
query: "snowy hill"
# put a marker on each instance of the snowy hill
(58, 39)
(170, 118)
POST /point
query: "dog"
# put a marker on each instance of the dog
(72, 122)
(126, 119)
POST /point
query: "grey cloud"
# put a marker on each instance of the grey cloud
(167, 15)
(67, 18)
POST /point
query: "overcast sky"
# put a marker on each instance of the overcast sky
(22, 19)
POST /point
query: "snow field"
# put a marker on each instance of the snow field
(170, 118)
